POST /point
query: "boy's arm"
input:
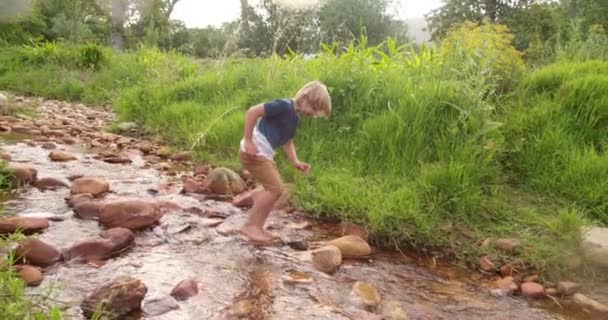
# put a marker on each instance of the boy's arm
(290, 150)
(252, 117)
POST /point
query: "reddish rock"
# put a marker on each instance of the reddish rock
(185, 290)
(130, 214)
(119, 238)
(117, 298)
(24, 224)
(326, 259)
(88, 209)
(352, 246)
(50, 184)
(79, 198)
(117, 160)
(61, 156)
(30, 275)
(37, 252)
(532, 290)
(86, 250)
(93, 185)
(486, 264)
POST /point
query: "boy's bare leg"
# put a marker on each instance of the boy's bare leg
(254, 227)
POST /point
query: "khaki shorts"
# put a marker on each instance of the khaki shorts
(264, 171)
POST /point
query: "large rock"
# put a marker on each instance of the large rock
(112, 241)
(24, 224)
(93, 185)
(185, 290)
(37, 252)
(595, 245)
(365, 294)
(24, 175)
(352, 246)
(88, 210)
(591, 305)
(30, 275)
(50, 184)
(130, 214)
(326, 259)
(115, 299)
(225, 182)
(61, 156)
(532, 290)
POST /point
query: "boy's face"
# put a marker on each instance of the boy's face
(307, 110)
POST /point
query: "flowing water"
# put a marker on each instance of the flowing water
(232, 274)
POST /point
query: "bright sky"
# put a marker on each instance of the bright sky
(201, 13)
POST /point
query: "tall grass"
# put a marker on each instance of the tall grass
(422, 147)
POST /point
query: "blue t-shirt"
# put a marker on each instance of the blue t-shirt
(279, 122)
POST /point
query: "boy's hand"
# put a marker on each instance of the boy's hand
(250, 149)
(303, 167)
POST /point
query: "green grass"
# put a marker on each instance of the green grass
(417, 150)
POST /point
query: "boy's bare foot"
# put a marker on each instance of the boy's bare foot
(256, 234)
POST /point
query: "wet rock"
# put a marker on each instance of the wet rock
(156, 307)
(393, 311)
(37, 252)
(93, 185)
(116, 298)
(192, 186)
(590, 304)
(185, 290)
(48, 146)
(117, 160)
(326, 259)
(485, 264)
(88, 250)
(88, 209)
(127, 126)
(241, 308)
(61, 156)
(507, 285)
(508, 245)
(567, 288)
(24, 175)
(30, 275)
(79, 198)
(365, 294)
(298, 277)
(532, 290)
(130, 214)
(50, 184)
(182, 156)
(23, 224)
(224, 181)
(595, 245)
(119, 238)
(352, 246)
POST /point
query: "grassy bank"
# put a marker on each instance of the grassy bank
(433, 148)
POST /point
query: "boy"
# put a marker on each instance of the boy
(276, 128)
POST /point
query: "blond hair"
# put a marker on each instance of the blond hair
(316, 94)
